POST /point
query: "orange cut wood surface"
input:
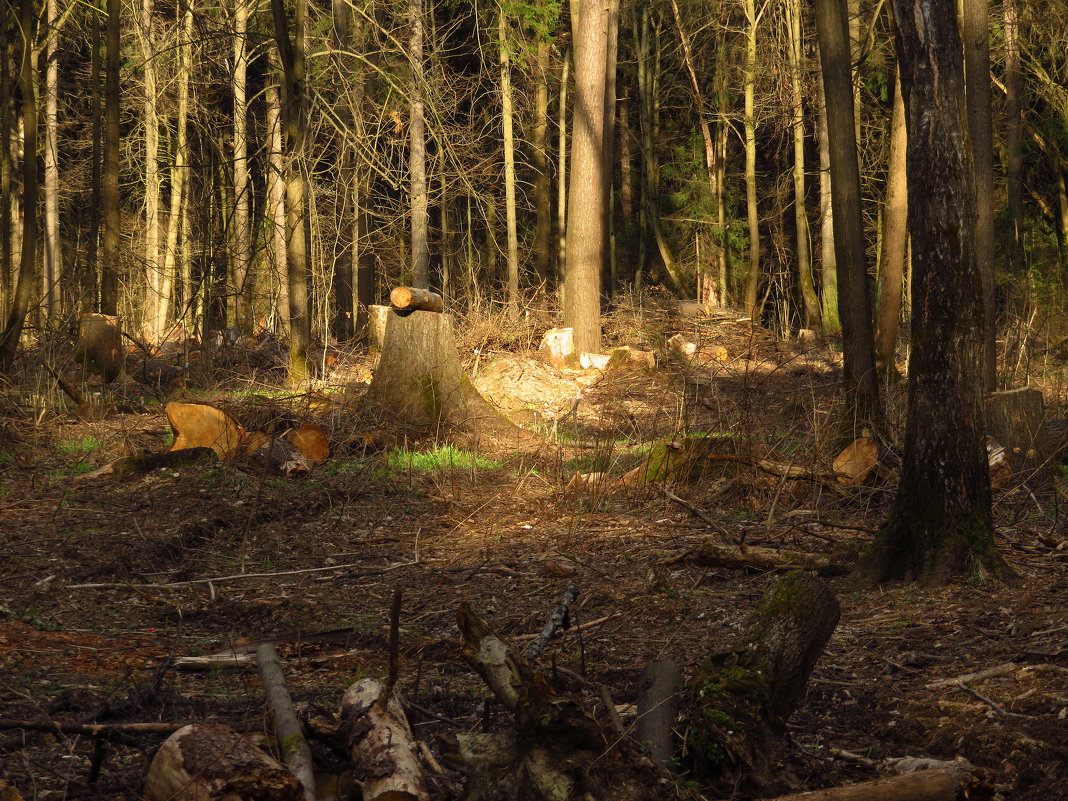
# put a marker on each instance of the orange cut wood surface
(855, 462)
(311, 441)
(199, 425)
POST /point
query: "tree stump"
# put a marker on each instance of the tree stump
(212, 762)
(419, 380)
(738, 704)
(99, 347)
(1015, 421)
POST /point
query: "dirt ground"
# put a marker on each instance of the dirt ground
(105, 582)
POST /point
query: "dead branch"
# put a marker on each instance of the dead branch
(287, 729)
(559, 618)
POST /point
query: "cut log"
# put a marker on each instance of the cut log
(658, 707)
(311, 441)
(197, 425)
(593, 361)
(288, 733)
(626, 355)
(419, 380)
(381, 745)
(410, 298)
(8, 791)
(738, 704)
(924, 785)
(856, 461)
(754, 557)
(99, 347)
(212, 762)
(1015, 421)
(558, 345)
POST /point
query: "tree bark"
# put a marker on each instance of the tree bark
(828, 265)
(861, 388)
(288, 733)
(109, 253)
(740, 701)
(1014, 135)
(509, 166)
(895, 235)
(940, 525)
(242, 243)
(539, 156)
(276, 212)
(5, 167)
(417, 151)
(752, 279)
(658, 707)
(588, 196)
(975, 33)
(52, 249)
(20, 304)
(561, 200)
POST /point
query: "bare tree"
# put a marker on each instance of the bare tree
(895, 237)
(109, 197)
(509, 164)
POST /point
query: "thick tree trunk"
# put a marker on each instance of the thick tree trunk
(940, 525)
(539, 156)
(242, 242)
(861, 387)
(895, 235)
(20, 305)
(109, 253)
(828, 264)
(588, 197)
(419, 380)
(975, 33)
(739, 703)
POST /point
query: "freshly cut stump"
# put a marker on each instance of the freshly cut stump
(212, 762)
(419, 380)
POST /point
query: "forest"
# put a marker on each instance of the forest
(533, 400)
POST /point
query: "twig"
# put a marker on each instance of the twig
(992, 704)
(90, 729)
(237, 577)
(988, 673)
(394, 642)
(712, 524)
(573, 629)
(559, 618)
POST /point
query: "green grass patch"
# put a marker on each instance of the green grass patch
(78, 447)
(438, 458)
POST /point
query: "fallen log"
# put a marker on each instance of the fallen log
(212, 762)
(147, 462)
(754, 557)
(738, 704)
(924, 785)
(200, 425)
(287, 729)
(410, 298)
(380, 743)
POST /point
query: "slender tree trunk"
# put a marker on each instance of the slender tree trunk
(940, 526)
(109, 277)
(20, 306)
(626, 164)
(975, 31)
(276, 217)
(588, 196)
(179, 171)
(828, 264)
(752, 280)
(509, 166)
(153, 282)
(1014, 135)
(804, 251)
(608, 148)
(895, 234)
(861, 387)
(542, 201)
(722, 104)
(52, 248)
(561, 203)
(95, 179)
(242, 239)
(417, 152)
(5, 165)
(291, 55)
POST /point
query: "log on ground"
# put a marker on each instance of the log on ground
(410, 298)
(738, 704)
(419, 380)
(212, 762)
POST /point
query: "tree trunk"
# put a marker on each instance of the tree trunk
(417, 151)
(895, 235)
(861, 388)
(176, 224)
(153, 283)
(291, 55)
(804, 251)
(1014, 136)
(975, 33)
(242, 243)
(509, 166)
(740, 701)
(52, 249)
(561, 201)
(276, 212)
(89, 290)
(20, 304)
(109, 254)
(588, 196)
(610, 267)
(828, 265)
(5, 167)
(539, 154)
(940, 525)
(419, 380)
(752, 279)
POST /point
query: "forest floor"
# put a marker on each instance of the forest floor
(104, 582)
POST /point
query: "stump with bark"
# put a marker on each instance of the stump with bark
(1015, 421)
(738, 704)
(99, 347)
(419, 380)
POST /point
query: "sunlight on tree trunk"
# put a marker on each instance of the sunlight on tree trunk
(242, 252)
(417, 152)
(109, 253)
(509, 165)
(52, 249)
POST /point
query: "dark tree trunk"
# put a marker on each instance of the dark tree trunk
(5, 163)
(109, 278)
(1014, 135)
(940, 525)
(854, 302)
(20, 304)
(739, 702)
